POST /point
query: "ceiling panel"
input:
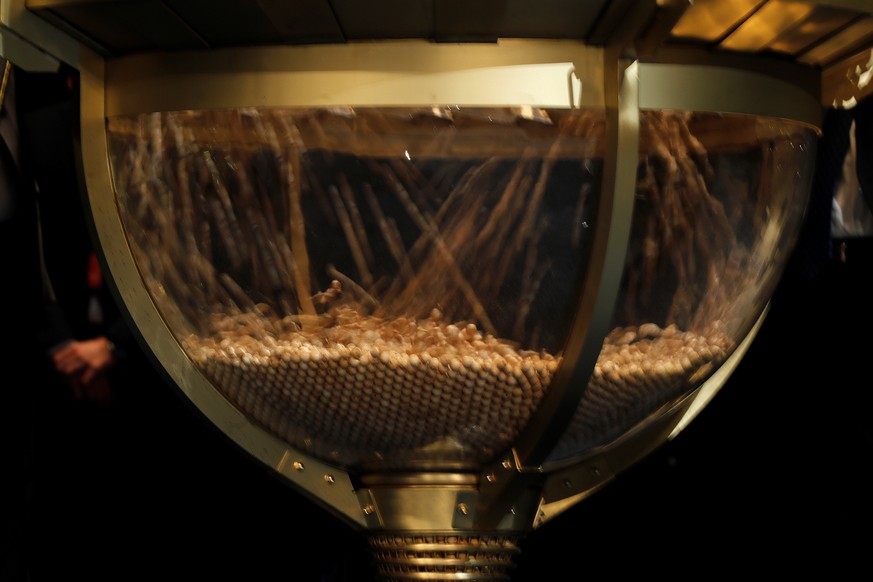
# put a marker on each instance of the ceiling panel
(820, 24)
(765, 25)
(384, 19)
(303, 21)
(812, 33)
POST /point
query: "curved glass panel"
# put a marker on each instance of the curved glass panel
(383, 288)
(719, 202)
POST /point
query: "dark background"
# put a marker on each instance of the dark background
(773, 475)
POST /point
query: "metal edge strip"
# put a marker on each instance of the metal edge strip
(714, 89)
(599, 292)
(384, 73)
(604, 274)
(707, 391)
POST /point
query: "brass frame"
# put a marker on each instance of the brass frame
(496, 499)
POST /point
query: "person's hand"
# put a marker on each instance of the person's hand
(85, 358)
(84, 364)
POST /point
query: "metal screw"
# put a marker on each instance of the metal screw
(490, 477)
(463, 509)
(298, 466)
(329, 479)
(507, 464)
(369, 509)
(567, 483)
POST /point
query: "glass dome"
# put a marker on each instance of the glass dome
(392, 288)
